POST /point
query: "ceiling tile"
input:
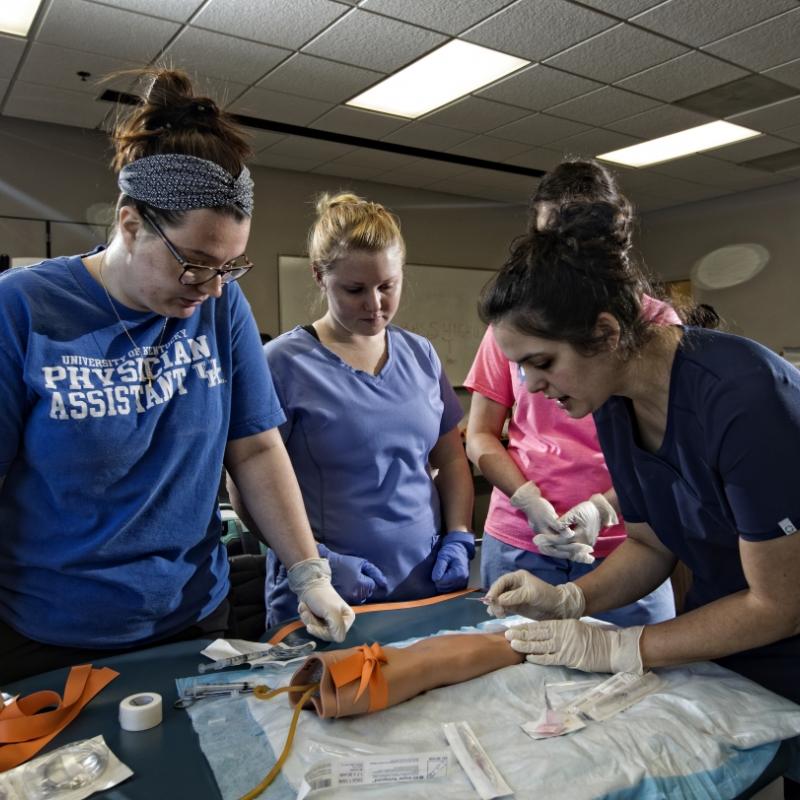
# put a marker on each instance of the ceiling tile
(355, 122)
(475, 114)
(266, 158)
(48, 65)
(539, 129)
(753, 148)
(222, 92)
(792, 133)
(659, 121)
(351, 172)
(51, 104)
(11, 50)
(177, 10)
(379, 160)
(771, 119)
(81, 25)
(536, 158)
(683, 76)
(788, 73)
(283, 23)
(709, 171)
(536, 29)
(622, 8)
(538, 87)
(425, 170)
(682, 191)
(488, 148)
(318, 78)
(617, 53)
(374, 42)
(425, 135)
(594, 142)
(305, 147)
(223, 56)
(260, 139)
(468, 188)
(700, 23)
(4, 84)
(602, 105)
(279, 107)
(451, 17)
(764, 45)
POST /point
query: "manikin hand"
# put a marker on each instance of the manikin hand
(580, 645)
(522, 593)
(321, 610)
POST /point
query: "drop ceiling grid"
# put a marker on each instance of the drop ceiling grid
(302, 67)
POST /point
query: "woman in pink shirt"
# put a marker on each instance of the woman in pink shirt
(553, 511)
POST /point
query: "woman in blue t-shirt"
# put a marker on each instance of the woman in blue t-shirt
(700, 431)
(127, 375)
(370, 415)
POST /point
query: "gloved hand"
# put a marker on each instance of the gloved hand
(570, 643)
(540, 513)
(522, 593)
(354, 578)
(451, 570)
(584, 521)
(321, 610)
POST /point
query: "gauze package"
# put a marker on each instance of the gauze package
(71, 772)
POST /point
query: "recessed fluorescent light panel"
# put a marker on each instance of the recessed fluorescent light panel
(683, 143)
(453, 70)
(16, 16)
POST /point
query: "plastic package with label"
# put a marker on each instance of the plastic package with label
(374, 771)
(71, 772)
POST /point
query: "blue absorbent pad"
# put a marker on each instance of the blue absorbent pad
(707, 732)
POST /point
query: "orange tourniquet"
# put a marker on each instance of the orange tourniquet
(396, 674)
(24, 731)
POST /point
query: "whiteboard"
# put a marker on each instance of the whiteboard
(439, 303)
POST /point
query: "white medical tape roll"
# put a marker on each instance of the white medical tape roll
(138, 712)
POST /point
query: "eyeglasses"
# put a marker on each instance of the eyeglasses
(195, 274)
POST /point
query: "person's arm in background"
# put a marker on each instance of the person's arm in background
(264, 491)
(453, 481)
(485, 448)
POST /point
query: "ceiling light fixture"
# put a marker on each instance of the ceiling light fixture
(683, 143)
(17, 17)
(449, 72)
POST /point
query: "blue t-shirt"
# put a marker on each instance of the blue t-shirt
(109, 529)
(359, 444)
(727, 464)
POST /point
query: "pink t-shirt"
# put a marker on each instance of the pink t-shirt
(561, 455)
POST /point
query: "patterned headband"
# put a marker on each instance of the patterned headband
(175, 182)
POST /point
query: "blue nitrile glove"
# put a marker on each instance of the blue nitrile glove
(451, 570)
(353, 577)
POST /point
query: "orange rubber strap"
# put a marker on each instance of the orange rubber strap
(290, 627)
(364, 666)
(25, 727)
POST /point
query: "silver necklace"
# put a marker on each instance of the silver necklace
(149, 378)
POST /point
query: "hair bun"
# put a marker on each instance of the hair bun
(326, 201)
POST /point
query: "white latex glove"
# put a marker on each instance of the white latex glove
(584, 522)
(571, 643)
(321, 610)
(522, 593)
(541, 515)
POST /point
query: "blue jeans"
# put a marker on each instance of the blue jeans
(498, 558)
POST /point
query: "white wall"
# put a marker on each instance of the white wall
(60, 172)
(765, 308)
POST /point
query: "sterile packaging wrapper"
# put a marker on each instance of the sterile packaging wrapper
(407, 671)
(71, 772)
